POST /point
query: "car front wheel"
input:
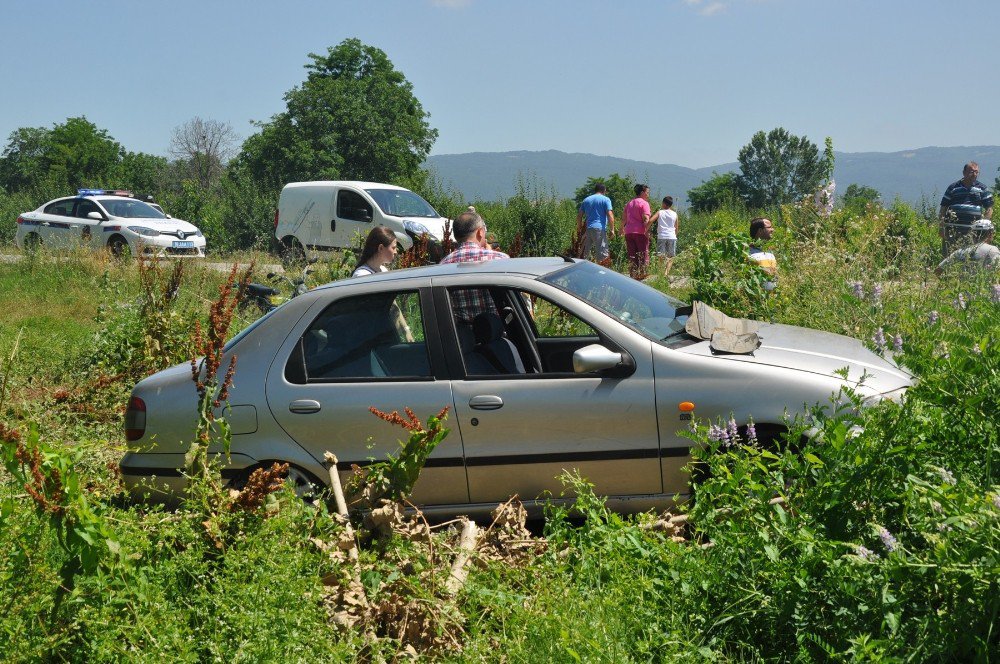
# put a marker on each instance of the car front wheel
(118, 246)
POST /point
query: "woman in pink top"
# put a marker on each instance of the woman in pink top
(637, 231)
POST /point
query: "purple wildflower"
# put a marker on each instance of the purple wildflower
(751, 434)
(932, 317)
(960, 301)
(865, 553)
(879, 339)
(732, 431)
(897, 343)
(995, 294)
(936, 506)
(718, 434)
(858, 289)
(876, 293)
(888, 540)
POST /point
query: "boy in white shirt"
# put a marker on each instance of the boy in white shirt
(666, 232)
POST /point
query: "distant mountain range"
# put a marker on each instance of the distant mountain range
(911, 175)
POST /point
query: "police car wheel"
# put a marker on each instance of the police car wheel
(118, 246)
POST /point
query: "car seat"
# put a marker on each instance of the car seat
(492, 346)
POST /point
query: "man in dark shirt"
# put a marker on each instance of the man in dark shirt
(964, 202)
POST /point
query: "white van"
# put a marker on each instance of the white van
(333, 214)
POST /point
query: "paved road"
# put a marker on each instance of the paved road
(262, 268)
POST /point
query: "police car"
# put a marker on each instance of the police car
(111, 219)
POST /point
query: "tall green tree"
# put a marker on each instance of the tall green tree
(619, 190)
(73, 154)
(354, 117)
(21, 164)
(778, 167)
(720, 189)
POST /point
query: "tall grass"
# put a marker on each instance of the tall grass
(877, 540)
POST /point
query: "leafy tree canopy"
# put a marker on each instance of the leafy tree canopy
(859, 195)
(73, 154)
(354, 117)
(713, 193)
(778, 167)
(619, 190)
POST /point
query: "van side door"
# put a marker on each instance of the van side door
(352, 220)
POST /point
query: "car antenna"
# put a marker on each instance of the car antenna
(566, 257)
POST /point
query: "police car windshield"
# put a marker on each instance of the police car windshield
(401, 203)
(130, 209)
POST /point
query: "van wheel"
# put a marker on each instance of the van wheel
(292, 253)
(118, 246)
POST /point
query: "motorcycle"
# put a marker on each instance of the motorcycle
(956, 224)
(267, 298)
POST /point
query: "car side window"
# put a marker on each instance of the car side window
(85, 207)
(63, 208)
(552, 321)
(351, 205)
(367, 337)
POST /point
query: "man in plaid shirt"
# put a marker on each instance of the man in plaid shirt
(470, 231)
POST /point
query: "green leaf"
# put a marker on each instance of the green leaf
(813, 459)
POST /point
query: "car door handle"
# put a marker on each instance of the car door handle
(304, 406)
(333, 225)
(486, 402)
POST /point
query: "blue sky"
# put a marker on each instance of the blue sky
(670, 81)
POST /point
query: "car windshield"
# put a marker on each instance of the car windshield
(130, 209)
(653, 314)
(402, 203)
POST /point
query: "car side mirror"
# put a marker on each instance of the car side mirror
(596, 357)
(96, 216)
(168, 216)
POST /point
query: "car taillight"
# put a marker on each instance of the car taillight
(20, 220)
(275, 220)
(135, 419)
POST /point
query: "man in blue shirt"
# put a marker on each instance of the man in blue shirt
(964, 202)
(596, 209)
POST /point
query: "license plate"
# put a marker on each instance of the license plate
(183, 244)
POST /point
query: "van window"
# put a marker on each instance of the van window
(351, 205)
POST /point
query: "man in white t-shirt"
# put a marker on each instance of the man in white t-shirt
(666, 231)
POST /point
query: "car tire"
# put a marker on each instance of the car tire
(769, 437)
(292, 253)
(32, 243)
(305, 484)
(118, 247)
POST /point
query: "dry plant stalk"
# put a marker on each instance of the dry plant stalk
(261, 484)
(338, 497)
(466, 546)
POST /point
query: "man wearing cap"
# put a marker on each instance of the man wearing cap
(983, 253)
(963, 202)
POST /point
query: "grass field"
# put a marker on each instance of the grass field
(879, 540)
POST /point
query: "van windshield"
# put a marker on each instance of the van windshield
(402, 203)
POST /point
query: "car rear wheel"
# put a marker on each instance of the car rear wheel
(32, 243)
(305, 484)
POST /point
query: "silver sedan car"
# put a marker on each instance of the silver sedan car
(547, 365)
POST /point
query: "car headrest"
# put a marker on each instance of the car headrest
(487, 327)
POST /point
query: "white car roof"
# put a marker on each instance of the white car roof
(345, 183)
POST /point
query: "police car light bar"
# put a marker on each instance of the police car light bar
(101, 192)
